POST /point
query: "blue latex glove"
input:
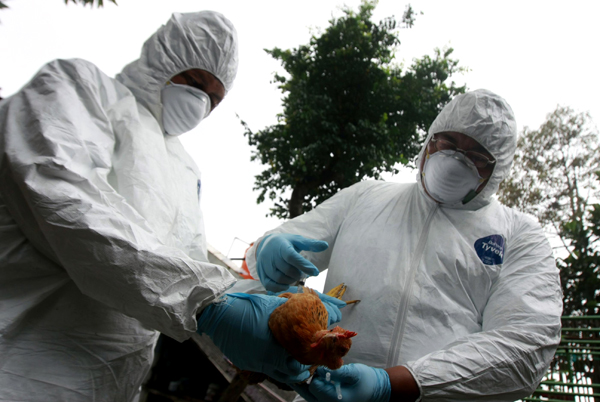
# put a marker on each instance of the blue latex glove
(238, 325)
(332, 304)
(358, 383)
(279, 263)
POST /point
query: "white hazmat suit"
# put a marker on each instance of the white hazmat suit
(467, 297)
(101, 237)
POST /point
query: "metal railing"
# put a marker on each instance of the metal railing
(574, 373)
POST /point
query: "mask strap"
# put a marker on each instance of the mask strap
(425, 161)
(472, 194)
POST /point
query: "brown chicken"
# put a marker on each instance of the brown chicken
(300, 326)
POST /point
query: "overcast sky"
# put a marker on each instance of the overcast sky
(536, 54)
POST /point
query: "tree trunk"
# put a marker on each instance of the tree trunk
(296, 200)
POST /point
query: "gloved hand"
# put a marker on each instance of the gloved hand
(332, 304)
(238, 324)
(358, 383)
(279, 263)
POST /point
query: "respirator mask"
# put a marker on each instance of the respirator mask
(449, 178)
(183, 108)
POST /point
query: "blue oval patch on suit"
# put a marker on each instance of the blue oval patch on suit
(490, 249)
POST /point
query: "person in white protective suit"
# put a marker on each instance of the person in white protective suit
(460, 295)
(101, 237)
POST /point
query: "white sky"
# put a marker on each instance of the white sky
(536, 54)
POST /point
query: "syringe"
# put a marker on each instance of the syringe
(338, 387)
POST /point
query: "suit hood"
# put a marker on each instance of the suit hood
(488, 119)
(205, 40)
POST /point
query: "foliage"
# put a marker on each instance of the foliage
(552, 176)
(409, 16)
(579, 271)
(99, 3)
(555, 178)
(348, 111)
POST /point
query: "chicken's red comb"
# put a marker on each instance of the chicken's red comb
(347, 334)
(330, 334)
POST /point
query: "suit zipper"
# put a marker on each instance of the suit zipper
(398, 333)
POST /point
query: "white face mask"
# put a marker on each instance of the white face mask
(184, 107)
(450, 178)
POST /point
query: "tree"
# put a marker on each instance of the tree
(580, 269)
(348, 111)
(555, 177)
(553, 171)
(580, 278)
(579, 273)
(99, 3)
